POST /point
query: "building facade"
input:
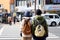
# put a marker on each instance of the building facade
(27, 4)
(6, 5)
(45, 5)
(52, 6)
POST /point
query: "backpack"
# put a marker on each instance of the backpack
(39, 30)
(26, 27)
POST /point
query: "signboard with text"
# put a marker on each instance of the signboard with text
(52, 7)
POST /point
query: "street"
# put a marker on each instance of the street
(54, 33)
(12, 32)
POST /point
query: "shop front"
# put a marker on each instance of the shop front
(52, 8)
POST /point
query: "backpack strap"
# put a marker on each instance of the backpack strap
(26, 21)
(36, 21)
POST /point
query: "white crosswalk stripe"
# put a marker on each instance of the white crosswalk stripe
(58, 27)
(54, 27)
(51, 35)
(1, 30)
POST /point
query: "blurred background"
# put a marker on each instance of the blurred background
(12, 11)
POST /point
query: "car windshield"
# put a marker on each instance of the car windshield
(56, 16)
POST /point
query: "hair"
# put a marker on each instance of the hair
(38, 12)
(6, 10)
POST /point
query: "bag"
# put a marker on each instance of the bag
(39, 29)
(26, 27)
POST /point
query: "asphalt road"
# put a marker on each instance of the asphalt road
(0, 26)
(55, 31)
(12, 32)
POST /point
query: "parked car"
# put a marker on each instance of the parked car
(58, 14)
(52, 19)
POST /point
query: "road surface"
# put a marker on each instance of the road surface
(12, 32)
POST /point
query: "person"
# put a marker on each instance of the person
(26, 26)
(10, 20)
(3, 18)
(6, 16)
(14, 17)
(42, 26)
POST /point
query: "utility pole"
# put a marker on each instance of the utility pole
(42, 5)
(35, 7)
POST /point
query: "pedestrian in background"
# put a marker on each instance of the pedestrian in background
(14, 17)
(6, 16)
(39, 27)
(26, 27)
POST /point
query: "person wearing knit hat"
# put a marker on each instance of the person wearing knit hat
(38, 19)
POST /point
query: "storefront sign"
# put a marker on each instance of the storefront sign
(52, 7)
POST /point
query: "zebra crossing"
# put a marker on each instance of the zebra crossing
(51, 35)
(16, 37)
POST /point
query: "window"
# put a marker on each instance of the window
(52, 1)
(33, 2)
(17, 2)
(39, 1)
(56, 16)
(20, 2)
(50, 16)
(46, 16)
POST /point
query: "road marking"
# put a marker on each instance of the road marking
(54, 27)
(1, 30)
(51, 35)
(10, 38)
(58, 27)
